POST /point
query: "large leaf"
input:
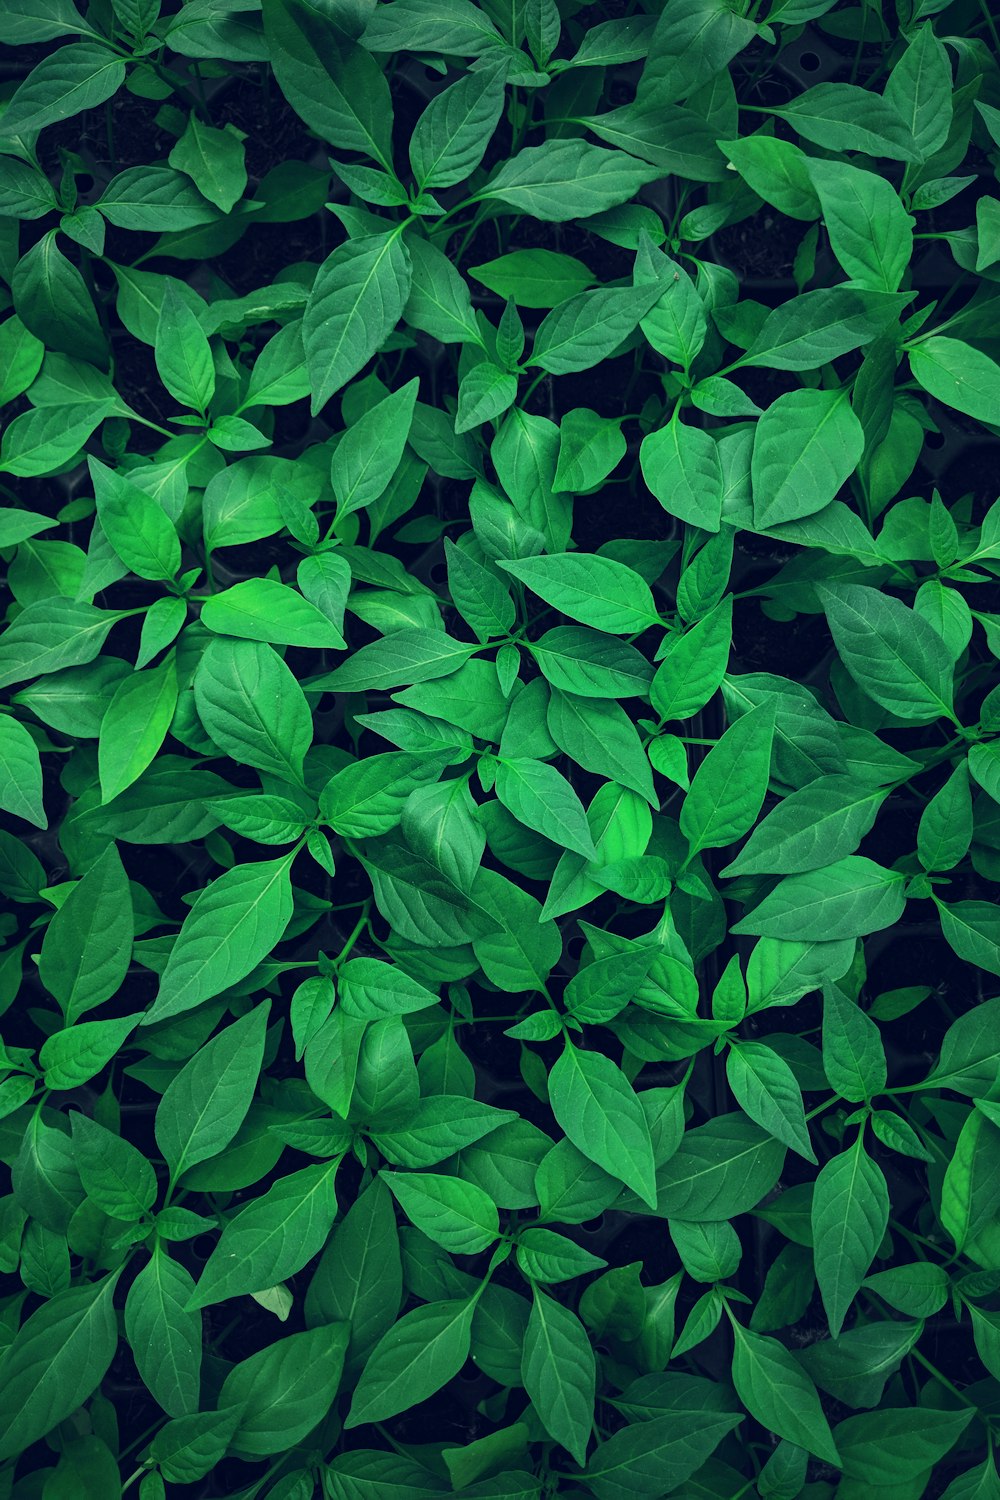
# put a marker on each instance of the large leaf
(850, 1211)
(806, 445)
(252, 706)
(233, 925)
(648, 1459)
(204, 1105)
(729, 786)
(558, 1370)
(596, 1106)
(165, 1336)
(778, 1392)
(272, 1237)
(413, 1359)
(356, 300)
(88, 943)
(330, 81)
(567, 179)
(65, 83)
(58, 1357)
(890, 651)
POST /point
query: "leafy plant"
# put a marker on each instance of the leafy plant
(501, 750)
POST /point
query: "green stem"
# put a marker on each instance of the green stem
(990, 1423)
(359, 927)
(990, 24)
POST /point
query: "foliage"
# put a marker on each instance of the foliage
(500, 754)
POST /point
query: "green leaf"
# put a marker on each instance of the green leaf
(958, 374)
(272, 1237)
(898, 1446)
(371, 990)
(815, 826)
(115, 1175)
(559, 1374)
(589, 327)
(595, 590)
(540, 798)
(566, 179)
(204, 1105)
(439, 302)
(853, 1055)
(421, 903)
(183, 356)
(355, 302)
(819, 326)
(591, 664)
(333, 84)
(595, 1105)
(590, 447)
(890, 651)
(43, 442)
(693, 664)
(972, 930)
(20, 773)
(778, 172)
(137, 527)
(39, 21)
(806, 445)
(676, 325)
(650, 1458)
(415, 1358)
(368, 798)
(214, 160)
(252, 707)
(188, 1448)
(134, 726)
(521, 952)
(72, 1057)
(765, 1088)
(599, 736)
(261, 609)
(405, 656)
(728, 788)
(534, 278)
(482, 599)
(58, 1357)
(285, 1389)
(370, 451)
(452, 134)
(920, 89)
(151, 198)
(543, 1255)
(456, 1215)
(778, 1392)
(850, 898)
(52, 300)
(359, 1278)
(165, 1337)
(846, 117)
(681, 465)
(850, 1211)
(485, 393)
(73, 78)
(234, 924)
(871, 234)
(720, 1169)
(969, 1187)
(970, 1052)
(919, 1289)
(87, 946)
